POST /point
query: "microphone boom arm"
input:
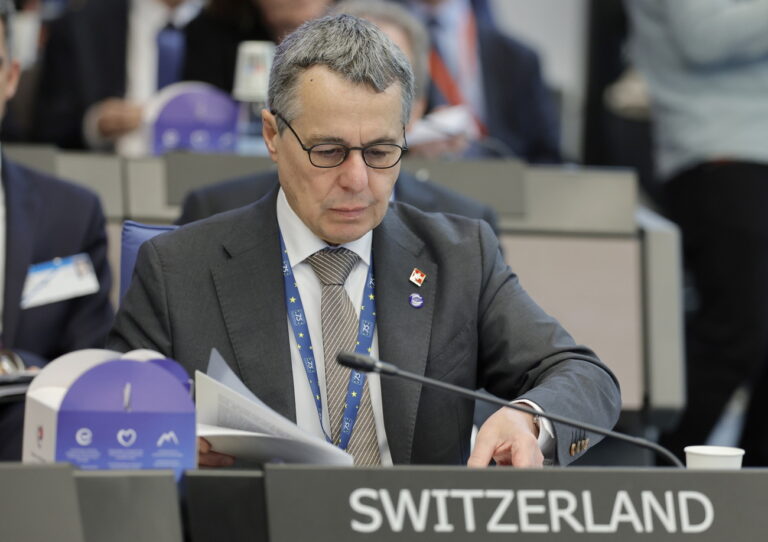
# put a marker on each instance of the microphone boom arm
(368, 364)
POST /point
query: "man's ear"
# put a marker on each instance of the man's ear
(269, 132)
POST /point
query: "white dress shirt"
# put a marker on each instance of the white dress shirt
(301, 243)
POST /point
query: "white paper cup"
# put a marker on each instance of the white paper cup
(713, 457)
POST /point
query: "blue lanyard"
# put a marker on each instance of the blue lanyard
(367, 324)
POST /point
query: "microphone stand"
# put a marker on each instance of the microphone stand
(367, 364)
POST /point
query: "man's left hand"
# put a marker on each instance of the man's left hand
(509, 437)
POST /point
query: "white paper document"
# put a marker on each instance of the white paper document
(238, 423)
(443, 123)
(270, 449)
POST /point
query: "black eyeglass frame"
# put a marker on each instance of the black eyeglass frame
(347, 150)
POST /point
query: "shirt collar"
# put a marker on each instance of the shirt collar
(300, 242)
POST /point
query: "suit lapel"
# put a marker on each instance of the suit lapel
(403, 331)
(250, 288)
(20, 210)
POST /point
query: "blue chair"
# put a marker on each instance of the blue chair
(133, 235)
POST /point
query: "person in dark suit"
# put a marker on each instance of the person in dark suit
(44, 219)
(442, 304)
(99, 66)
(497, 76)
(214, 36)
(521, 111)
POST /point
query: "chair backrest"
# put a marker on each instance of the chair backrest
(133, 235)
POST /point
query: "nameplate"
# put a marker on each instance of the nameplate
(448, 504)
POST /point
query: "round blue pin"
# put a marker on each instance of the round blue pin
(416, 300)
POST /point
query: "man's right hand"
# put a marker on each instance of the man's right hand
(116, 117)
(509, 437)
(206, 457)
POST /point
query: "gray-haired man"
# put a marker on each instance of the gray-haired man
(258, 283)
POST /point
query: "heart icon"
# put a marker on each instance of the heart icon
(126, 437)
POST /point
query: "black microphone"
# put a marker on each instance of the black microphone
(367, 364)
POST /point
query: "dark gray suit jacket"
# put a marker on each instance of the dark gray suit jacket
(234, 193)
(217, 283)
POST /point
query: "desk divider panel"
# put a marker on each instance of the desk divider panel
(225, 505)
(34, 156)
(663, 317)
(593, 286)
(497, 183)
(146, 189)
(39, 502)
(102, 173)
(189, 171)
(576, 200)
(129, 506)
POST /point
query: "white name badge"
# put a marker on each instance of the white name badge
(59, 279)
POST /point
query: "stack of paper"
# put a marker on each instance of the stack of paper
(238, 423)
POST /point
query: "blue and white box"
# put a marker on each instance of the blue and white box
(99, 409)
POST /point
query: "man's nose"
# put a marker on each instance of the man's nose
(354, 171)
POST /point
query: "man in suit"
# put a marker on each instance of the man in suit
(102, 62)
(272, 285)
(44, 220)
(496, 76)
(408, 34)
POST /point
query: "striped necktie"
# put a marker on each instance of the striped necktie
(339, 324)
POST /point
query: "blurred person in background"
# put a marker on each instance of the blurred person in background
(215, 34)
(498, 78)
(706, 62)
(30, 27)
(410, 35)
(617, 116)
(103, 60)
(44, 221)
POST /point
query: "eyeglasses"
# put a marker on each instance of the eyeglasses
(328, 155)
